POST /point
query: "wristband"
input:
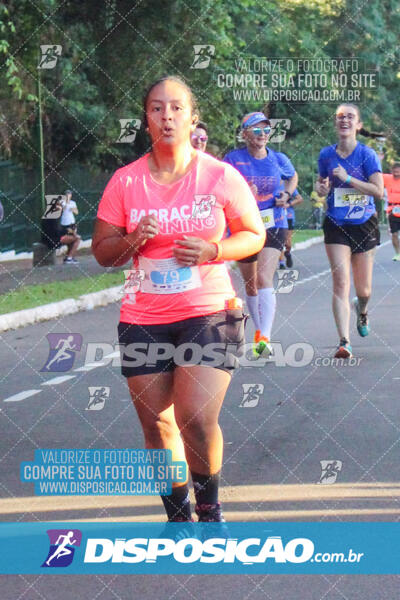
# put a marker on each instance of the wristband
(348, 179)
(219, 251)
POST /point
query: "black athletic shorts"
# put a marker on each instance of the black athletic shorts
(394, 224)
(276, 238)
(359, 238)
(290, 224)
(213, 340)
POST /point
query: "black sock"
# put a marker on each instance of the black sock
(177, 504)
(206, 488)
(362, 304)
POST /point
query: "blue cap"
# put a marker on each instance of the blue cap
(252, 119)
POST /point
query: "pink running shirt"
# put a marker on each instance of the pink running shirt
(200, 204)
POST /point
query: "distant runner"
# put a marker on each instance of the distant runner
(392, 186)
(350, 175)
(294, 200)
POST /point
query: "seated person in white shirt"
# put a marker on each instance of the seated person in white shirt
(69, 234)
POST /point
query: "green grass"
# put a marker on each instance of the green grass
(31, 296)
(301, 235)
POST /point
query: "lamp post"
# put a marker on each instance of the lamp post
(41, 148)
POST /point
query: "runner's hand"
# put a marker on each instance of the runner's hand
(340, 173)
(193, 251)
(146, 229)
(282, 200)
(322, 187)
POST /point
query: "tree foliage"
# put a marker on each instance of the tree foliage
(112, 50)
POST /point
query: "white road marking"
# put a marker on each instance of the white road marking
(89, 367)
(22, 395)
(316, 276)
(94, 365)
(58, 380)
(322, 273)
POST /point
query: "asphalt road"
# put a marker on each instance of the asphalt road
(302, 415)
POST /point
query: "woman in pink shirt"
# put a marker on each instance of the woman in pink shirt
(168, 211)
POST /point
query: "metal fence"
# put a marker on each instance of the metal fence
(20, 196)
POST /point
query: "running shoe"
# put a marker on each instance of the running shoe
(70, 261)
(289, 260)
(256, 339)
(282, 265)
(344, 350)
(264, 347)
(363, 327)
(396, 257)
(209, 513)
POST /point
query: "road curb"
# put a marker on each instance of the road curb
(69, 306)
(308, 243)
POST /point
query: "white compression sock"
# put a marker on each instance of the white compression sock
(252, 303)
(267, 306)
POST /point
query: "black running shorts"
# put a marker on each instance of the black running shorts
(213, 341)
(276, 238)
(394, 224)
(359, 238)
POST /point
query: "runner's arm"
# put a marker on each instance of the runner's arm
(247, 237)
(112, 246)
(296, 200)
(291, 184)
(372, 187)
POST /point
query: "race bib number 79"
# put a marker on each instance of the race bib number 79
(166, 276)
